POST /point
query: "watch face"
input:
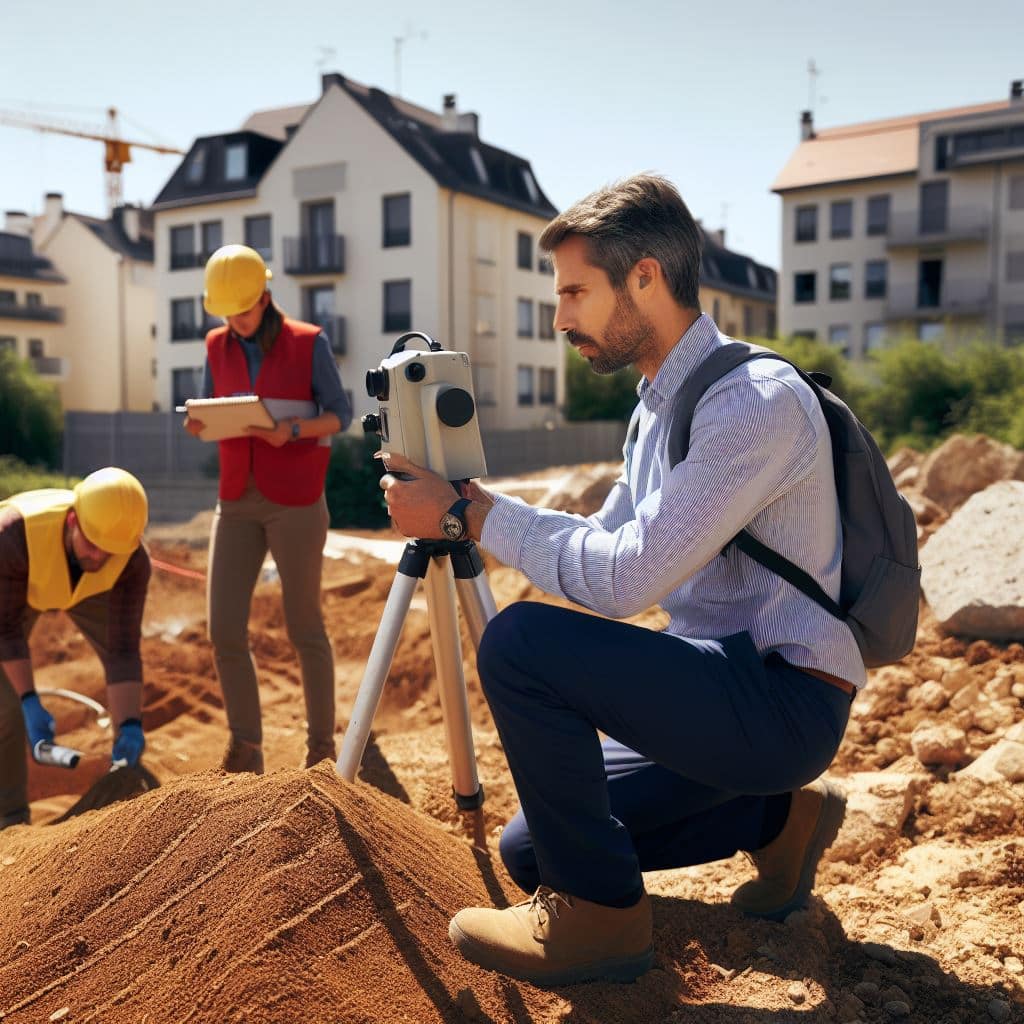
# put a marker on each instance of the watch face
(451, 526)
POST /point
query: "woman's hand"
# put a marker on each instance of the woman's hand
(278, 435)
(193, 426)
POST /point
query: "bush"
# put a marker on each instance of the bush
(16, 476)
(354, 497)
(31, 422)
(596, 396)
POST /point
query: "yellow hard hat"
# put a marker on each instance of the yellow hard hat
(112, 510)
(236, 277)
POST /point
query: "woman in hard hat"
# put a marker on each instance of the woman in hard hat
(81, 552)
(271, 495)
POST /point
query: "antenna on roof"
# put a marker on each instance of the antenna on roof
(410, 33)
(812, 75)
(327, 55)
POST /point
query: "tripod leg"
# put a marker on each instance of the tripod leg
(477, 603)
(444, 633)
(375, 675)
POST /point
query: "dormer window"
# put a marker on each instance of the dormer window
(531, 186)
(478, 165)
(235, 162)
(196, 168)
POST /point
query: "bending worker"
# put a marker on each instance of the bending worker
(80, 552)
(271, 495)
(719, 727)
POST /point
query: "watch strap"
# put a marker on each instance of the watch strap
(458, 509)
(295, 430)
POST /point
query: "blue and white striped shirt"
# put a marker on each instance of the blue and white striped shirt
(760, 456)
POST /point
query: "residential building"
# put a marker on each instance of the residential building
(31, 300)
(908, 226)
(107, 348)
(735, 291)
(376, 217)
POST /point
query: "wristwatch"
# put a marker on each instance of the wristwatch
(453, 522)
(295, 430)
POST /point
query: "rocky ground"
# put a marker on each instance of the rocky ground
(298, 897)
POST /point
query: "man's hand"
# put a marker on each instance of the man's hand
(38, 721)
(278, 435)
(415, 504)
(129, 744)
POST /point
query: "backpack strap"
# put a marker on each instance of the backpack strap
(722, 361)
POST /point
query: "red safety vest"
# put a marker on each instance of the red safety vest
(293, 474)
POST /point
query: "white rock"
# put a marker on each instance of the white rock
(932, 695)
(965, 698)
(939, 744)
(877, 805)
(1004, 760)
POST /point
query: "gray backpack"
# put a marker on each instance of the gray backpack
(881, 578)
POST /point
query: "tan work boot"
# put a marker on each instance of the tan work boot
(557, 939)
(787, 865)
(319, 752)
(242, 756)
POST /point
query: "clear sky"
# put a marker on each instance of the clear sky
(588, 90)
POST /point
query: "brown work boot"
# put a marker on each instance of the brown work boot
(21, 816)
(557, 939)
(318, 752)
(243, 756)
(787, 865)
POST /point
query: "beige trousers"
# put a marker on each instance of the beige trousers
(243, 531)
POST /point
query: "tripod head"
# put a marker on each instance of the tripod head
(427, 411)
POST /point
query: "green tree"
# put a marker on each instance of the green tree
(31, 421)
(597, 396)
(354, 497)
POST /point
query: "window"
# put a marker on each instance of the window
(809, 335)
(839, 334)
(806, 223)
(524, 318)
(8, 344)
(397, 220)
(840, 277)
(183, 247)
(1016, 192)
(35, 348)
(195, 170)
(878, 215)
(319, 222)
(546, 316)
(213, 238)
(483, 384)
(485, 247)
(185, 384)
(8, 297)
(1015, 266)
(524, 251)
(1013, 334)
(874, 336)
(524, 385)
(934, 207)
(257, 234)
(318, 304)
(33, 300)
(929, 283)
(875, 279)
(183, 320)
(546, 386)
(486, 315)
(207, 320)
(929, 330)
(803, 287)
(842, 219)
(397, 305)
(235, 161)
(544, 264)
(748, 320)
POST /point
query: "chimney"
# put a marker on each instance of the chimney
(49, 221)
(1017, 90)
(806, 126)
(129, 216)
(17, 222)
(449, 115)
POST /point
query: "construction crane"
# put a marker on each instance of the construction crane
(117, 151)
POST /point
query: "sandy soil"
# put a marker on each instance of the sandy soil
(299, 897)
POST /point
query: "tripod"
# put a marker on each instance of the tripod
(443, 566)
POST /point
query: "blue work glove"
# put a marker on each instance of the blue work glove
(38, 721)
(129, 744)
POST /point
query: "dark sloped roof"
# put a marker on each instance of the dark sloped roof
(201, 176)
(19, 259)
(735, 273)
(454, 159)
(112, 234)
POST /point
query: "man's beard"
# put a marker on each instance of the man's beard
(627, 335)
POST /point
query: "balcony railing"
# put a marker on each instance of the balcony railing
(953, 298)
(315, 254)
(48, 366)
(961, 224)
(187, 260)
(334, 328)
(22, 311)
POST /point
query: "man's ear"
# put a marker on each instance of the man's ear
(646, 272)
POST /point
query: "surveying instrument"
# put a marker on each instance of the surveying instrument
(428, 414)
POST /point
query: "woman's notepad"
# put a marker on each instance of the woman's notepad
(228, 417)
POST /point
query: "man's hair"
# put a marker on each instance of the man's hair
(638, 217)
